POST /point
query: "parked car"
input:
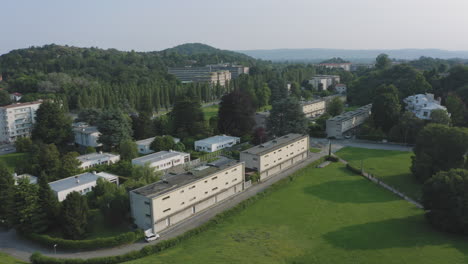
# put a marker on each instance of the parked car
(150, 236)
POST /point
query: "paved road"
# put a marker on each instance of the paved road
(14, 245)
(7, 149)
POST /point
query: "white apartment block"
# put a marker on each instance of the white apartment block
(276, 155)
(94, 159)
(163, 160)
(216, 143)
(17, 120)
(313, 108)
(340, 124)
(177, 197)
(144, 145)
(81, 183)
(422, 105)
(324, 81)
(86, 135)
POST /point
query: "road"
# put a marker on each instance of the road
(14, 245)
(7, 149)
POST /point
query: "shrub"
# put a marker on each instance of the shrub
(332, 158)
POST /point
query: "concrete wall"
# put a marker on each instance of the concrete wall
(139, 210)
(282, 166)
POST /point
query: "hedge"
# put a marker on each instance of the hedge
(38, 258)
(353, 169)
(97, 243)
(332, 158)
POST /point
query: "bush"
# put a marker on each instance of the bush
(353, 169)
(97, 243)
(332, 158)
(38, 258)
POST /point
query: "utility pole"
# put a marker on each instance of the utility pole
(329, 148)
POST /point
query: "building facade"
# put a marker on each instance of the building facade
(201, 74)
(17, 120)
(340, 124)
(235, 70)
(341, 88)
(163, 160)
(422, 105)
(177, 197)
(144, 145)
(345, 66)
(85, 135)
(323, 82)
(216, 143)
(94, 159)
(81, 183)
(313, 108)
(276, 155)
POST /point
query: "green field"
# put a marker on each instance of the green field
(7, 259)
(14, 159)
(392, 167)
(210, 111)
(323, 216)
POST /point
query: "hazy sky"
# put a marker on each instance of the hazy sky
(145, 25)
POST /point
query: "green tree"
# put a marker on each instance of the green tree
(89, 115)
(407, 129)
(440, 116)
(456, 108)
(74, 214)
(161, 143)
(386, 107)
(188, 118)
(286, 117)
(263, 94)
(382, 62)
(335, 107)
(6, 194)
(112, 200)
(23, 144)
(446, 202)
(141, 176)
(48, 203)
(128, 149)
(70, 165)
(142, 126)
(114, 127)
(52, 125)
(4, 98)
(89, 150)
(438, 148)
(46, 158)
(236, 114)
(26, 216)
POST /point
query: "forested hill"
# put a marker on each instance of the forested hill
(92, 77)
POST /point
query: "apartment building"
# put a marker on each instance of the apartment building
(17, 120)
(178, 197)
(216, 143)
(340, 124)
(163, 160)
(345, 66)
(201, 74)
(313, 108)
(235, 70)
(81, 183)
(86, 135)
(144, 145)
(94, 159)
(323, 82)
(276, 155)
(422, 105)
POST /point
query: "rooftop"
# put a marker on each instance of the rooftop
(351, 114)
(172, 182)
(146, 141)
(161, 155)
(80, 179)
(22, 104)
(217, 139)
(95, 156)
(274, 144)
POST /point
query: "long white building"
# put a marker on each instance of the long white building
(163, 160)
(17, 120)
(94, 159)
(216, 143)
(177, 197)
(340, 124)
(81, 183)
(313, 108)
(422, 105)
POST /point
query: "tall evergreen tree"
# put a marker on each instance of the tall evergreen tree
(52, 125)
(236, 114)
(6, 194)
(286, 117)
(74, 213)
(142, 125)
(48, 203)
(188, 118)
(128, 149)
(69, 165)
(114, 127)
(386, 107)
(26, 216)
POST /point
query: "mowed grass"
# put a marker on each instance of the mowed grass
(7, 259)
(210, 111)
(12, 160)
(323, 216)
(392, 167)
(315, 150)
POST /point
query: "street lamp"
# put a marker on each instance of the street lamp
(55, 249)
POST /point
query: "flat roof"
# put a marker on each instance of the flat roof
(78, 180)
(161, 155)
(273, 144)
(22, 104)
(350, 114)
(96, 156)
(171, 182)
(86, 129)
(217, 139)
(145, 141)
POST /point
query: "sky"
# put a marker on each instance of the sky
(148, 25)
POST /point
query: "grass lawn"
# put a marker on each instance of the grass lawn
(325, 215)
(393, 167)
(7, 259)
(350, 108)
(14, 159)
(315, 150)
(210, 111)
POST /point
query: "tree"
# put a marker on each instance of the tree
(128, 149)
(23, 144)
(407, 129)
(142, 126)
(74, 215)
(456, 108)
(70, 165)
(188, 118)
(382, 62)
(52, 125)
(263, 94)
(440, 116)
(161, 143)
(335, 107)
(141, 176)
(48, 202)
(6, 194)
(236, 114)
(89, 115)
(26, 213)
(386, 107)
(438, 148)
(286, 117)
(112, 200)
(46, 158)
(4, 98)
(114, 127)
(446, 202)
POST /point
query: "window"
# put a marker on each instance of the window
(214, 178)
(167, 210)
(193, 198)
(147, 203)
(206, 192)
(214, 189)
(206, 181)
(266, 156)
(226, 172)
(234, 170)
(181, 191)
(266, 165)
(234, 180)
(147, 215)
(182, 203)
(254, 158)
(165, 198)
(191, 187)
(227, 183)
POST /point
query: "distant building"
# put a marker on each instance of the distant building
(345, 66)
(178, 197)
(340, 88)
(276, 155)
(216, 143)
(201, 74)
(144, 145)
(340, 124)
(94, 159)
(15, 97)
(422, 105)
(17, 120)
(163, 160)
(81, 183)
(323, 82)
(313, 108)
(32, 179)
(86, 135)
(235, 70)
(362, 66)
